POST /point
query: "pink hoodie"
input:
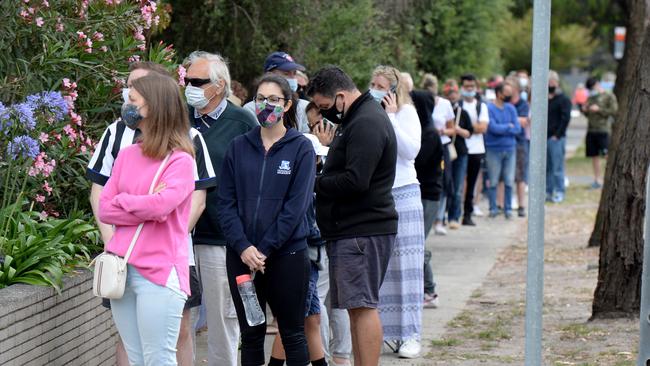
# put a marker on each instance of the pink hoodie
(125, 203)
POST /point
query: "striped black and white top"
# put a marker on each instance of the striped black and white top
(117, 136)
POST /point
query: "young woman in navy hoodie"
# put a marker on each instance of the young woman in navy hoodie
(265, 188)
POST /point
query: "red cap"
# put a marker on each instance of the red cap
(243, 278)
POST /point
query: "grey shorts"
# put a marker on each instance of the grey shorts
(357, 270)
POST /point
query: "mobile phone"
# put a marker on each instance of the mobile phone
(332, 125)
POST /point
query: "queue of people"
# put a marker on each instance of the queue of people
(319, 194)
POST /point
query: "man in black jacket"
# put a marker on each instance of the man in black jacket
(355, 210)
(559, 115)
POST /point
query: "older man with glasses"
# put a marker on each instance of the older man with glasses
(219, 121)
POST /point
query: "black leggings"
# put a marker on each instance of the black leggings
(284, 285)
(473, 168)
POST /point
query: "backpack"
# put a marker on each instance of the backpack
(479, 103)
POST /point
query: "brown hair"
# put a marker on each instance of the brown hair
(150, 66)
(167, 123)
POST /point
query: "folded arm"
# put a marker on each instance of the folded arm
(408, 133)
(179, 183)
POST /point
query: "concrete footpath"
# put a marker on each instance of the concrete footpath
(461, 260)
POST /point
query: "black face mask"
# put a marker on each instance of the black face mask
(332, 114)
(131, 115)
(551, 89)
(507, 98)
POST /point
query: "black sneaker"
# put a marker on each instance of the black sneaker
(467, 221)
(521, 212)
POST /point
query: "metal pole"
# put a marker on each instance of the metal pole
(537, 189)
(644, 339)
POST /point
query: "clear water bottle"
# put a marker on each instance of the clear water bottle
(254, 314)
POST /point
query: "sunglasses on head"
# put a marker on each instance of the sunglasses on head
(197, 82)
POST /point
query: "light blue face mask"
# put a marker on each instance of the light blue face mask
(467, 93)
(125, 94)
(293, 84)
(378, 95)
(523, 95)
(195, 97)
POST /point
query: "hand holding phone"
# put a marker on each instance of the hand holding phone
(390, 102)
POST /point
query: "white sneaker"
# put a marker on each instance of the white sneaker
(477, 212)
(410, 349)
(440, 230)
(430, 301)
(332, 363)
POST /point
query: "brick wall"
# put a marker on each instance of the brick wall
(40, 327)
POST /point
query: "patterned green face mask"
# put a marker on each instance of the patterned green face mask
(268, 115)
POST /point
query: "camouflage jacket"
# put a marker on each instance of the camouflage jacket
(602, 120)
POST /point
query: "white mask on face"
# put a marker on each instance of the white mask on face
(196, 97)
(125, 95)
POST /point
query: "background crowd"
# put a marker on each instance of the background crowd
(324, 194)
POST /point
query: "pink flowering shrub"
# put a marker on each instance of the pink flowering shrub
(76, 54)
(89, 42)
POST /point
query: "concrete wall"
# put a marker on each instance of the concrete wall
(40, 327)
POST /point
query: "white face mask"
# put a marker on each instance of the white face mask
(196, 97)
(125, 94)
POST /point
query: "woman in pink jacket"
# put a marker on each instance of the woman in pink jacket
(148, 316)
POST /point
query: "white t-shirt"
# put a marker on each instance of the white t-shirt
(174, 283)
(442, 113)
(408, 132)
(475, 144)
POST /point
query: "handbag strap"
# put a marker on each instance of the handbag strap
(460, 111)
(151, 188)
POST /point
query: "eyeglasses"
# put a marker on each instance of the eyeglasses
(271, 99)
(197, 82)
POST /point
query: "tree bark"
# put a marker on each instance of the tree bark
(619, 223)
(636, 25)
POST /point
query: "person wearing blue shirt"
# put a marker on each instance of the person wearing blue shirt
(500, 143)
(523, 145)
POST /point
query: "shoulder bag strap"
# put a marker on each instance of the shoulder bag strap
(151, 188)
(459, 112)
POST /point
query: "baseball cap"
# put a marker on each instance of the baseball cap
(282, 61)
(319, 148)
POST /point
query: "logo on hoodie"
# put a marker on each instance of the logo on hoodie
(284, 167)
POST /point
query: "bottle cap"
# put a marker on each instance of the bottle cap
(243, 278)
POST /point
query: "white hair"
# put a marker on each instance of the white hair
(218, 68)
(552, 75)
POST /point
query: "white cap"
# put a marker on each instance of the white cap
(319, 148)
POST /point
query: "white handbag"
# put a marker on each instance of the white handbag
(109, 279)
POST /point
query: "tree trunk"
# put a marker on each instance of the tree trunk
(619, 229)
(636, 16)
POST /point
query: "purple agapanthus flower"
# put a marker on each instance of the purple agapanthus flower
(25, 114)
(51, 101)
(5, 123)
(23, 146)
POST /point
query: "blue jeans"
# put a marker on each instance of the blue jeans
(148, 318)
(430, 209)
(501, 164)
(430, 212)
(555, 166)
(458, 173)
